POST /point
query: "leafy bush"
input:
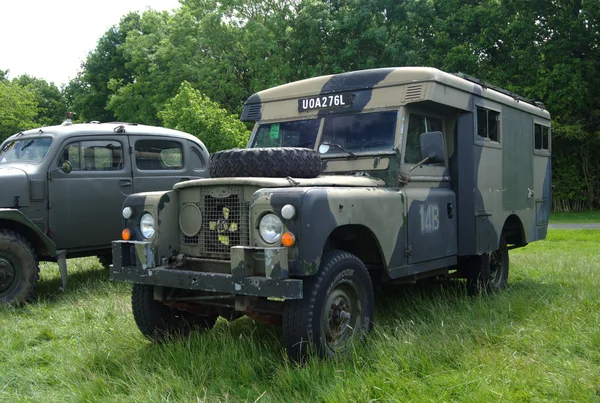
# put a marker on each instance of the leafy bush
(194, 113)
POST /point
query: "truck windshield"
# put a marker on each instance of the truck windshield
(299, 133)
(374, 131)
(25, 150)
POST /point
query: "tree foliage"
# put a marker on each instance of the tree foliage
(18, 108)
(194, 113)
(229, 49)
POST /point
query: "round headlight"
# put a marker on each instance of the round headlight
(147, 225)
(270, 228)
(127, 212)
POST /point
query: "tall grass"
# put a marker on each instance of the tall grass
(537, 341)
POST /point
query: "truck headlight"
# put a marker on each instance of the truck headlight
(147, 225)
(270, 228)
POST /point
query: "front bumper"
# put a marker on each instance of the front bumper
(134, 262)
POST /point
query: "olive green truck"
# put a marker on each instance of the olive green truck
(349, 180)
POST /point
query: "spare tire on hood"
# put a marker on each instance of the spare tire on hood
(279, 162)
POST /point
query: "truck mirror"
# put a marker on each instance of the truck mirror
(66, 167)
(432, 147)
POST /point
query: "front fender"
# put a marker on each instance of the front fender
(17, 221)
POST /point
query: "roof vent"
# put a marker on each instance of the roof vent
(251, 113)
(414, 93)
(119, 129)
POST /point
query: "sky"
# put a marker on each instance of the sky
(49, 39)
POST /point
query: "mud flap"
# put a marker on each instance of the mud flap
(61, 259)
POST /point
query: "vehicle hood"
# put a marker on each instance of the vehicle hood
(325, 181)
(14, 183)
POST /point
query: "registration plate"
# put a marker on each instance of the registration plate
(325, 101)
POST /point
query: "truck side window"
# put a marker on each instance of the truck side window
(417, 125)
(488, 124)
(71, 153)
(101, 155)
(98, 155)
(154, 155)
(542, 137)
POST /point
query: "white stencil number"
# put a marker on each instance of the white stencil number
(430, 218)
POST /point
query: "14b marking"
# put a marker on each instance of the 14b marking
(430, 218)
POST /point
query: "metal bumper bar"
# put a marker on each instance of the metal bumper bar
(275, 283)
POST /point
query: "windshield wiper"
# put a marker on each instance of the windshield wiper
(30, 142)
(350, 153)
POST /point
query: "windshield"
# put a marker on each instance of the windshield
(300, 133)
(25, 150)
(373, 131)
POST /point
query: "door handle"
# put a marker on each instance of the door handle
(125, 182)
(183, 179)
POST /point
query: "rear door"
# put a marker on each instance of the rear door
(159, 162)
(85, 205)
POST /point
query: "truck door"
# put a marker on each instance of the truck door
(85, 205)
(431, 203)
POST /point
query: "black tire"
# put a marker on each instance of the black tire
(278, 162)
(342, 286)
(158, 322)
(489, 272)
(19, 271)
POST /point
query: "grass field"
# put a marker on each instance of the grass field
(538, 341)
(586, 217)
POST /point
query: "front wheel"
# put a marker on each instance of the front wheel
(158, 321)
(489, 272)
(337, 309)
(18, 269)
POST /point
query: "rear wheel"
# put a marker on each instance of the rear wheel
(18, 269)
(489, 272)
(337, 309)
(158, 321)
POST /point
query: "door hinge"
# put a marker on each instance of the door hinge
(409, 250)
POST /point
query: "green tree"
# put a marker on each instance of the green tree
(194, 113)
(18, 109)
(51, 102)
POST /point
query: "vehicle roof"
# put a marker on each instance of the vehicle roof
(392, 76)
(60, 131)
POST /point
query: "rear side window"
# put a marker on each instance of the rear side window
(488, 124)
(157, 155)
(542, 137)
(98, 155)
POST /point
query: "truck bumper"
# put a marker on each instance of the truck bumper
(134, 262)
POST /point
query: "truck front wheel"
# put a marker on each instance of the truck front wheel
(18, 269)
(158, 321)
(337, 309)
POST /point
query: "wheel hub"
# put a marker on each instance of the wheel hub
(340, 316)
(7, 274)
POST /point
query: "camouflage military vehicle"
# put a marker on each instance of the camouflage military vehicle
(62, 189)
(385, 175)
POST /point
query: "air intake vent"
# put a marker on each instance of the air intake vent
(414, 93)
(251, 113)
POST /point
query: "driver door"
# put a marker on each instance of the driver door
(85, 205)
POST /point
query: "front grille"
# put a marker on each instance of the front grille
(225, 221)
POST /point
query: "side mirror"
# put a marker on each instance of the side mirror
(432, 147)
(66, 167)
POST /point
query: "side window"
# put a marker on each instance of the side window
(542, 137)
(99, 155)
(71, 153)
(197, 160)
(417, 125)
(488, 124)
(153, 155)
